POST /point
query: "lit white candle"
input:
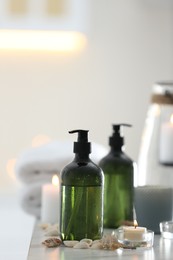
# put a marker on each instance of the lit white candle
(51, 201)
(166, 142)
(134, 233)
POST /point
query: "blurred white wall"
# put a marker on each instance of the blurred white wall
(130, 46)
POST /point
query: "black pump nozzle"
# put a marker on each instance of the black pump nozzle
(82, 135)
(117, 139)
(82, 145)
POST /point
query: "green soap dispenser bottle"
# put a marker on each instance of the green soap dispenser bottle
(118, 170)
(81, 194)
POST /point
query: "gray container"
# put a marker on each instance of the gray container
(153, 204)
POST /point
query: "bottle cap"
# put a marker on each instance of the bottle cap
(117, 138)
(82, 145)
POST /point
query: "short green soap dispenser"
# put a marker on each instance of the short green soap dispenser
(81, 194)
(118, 170)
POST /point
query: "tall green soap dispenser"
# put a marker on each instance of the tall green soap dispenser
(118, 170)
(81, 194)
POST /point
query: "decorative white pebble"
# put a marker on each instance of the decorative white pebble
(97, 245)
(96, 241)
(87, 240)
(81, 245)
(70, 243)
(52, 232)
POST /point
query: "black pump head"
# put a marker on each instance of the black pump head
(117, 139)
(82, 145)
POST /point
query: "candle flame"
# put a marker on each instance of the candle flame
(171, 119)
(135, 223)
(55, 180)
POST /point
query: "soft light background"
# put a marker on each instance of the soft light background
(129, 47)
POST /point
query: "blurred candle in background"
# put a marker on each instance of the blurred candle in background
(50, 201)
(166, 142)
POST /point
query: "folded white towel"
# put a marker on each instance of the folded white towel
(30, 199)
(41, 163)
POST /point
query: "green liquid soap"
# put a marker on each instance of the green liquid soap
(118, 171)
(82, 212)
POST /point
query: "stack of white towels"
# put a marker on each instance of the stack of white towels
(36, 166)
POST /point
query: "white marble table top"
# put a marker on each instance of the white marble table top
(15, 229)
(162, 250)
